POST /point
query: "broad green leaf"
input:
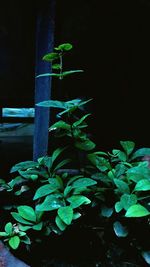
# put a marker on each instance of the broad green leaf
(78, 200)
(100, 162)
(18, 218)
(50, 57)
(14, 242)
(141, 153)
(60, 125)
(86, 145)
(77, 123)
(27, 213)
(142, 185)
(66, 214)
(120, 169)
(23, 165)
(128, 146)
(127, 200)
(45, 190)
(137, 211)
(122, 186)
(74, 178)
(120, 154)
(120, 230)
(138, 173)
(9, 228)
(146, 256)
(61, 225)
(64, 47)
(67, 190)
(29, 174)
(83, 182)
(51, 202)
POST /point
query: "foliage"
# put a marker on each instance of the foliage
(116, 184)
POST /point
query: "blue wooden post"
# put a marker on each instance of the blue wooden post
(44, 44)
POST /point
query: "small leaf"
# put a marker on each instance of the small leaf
(45, 190)
(122, 186)
(85, 145)
(137, 211)
(18, 218)
(9, 228)
(50, 57)
(142, 185)
(61, 164)
(61, 225)
(38, 226)
(83, 182)
(76, 215)
(120, 230)
(118, 206)
(66, 214)
(56, 66)
(23, 165)
(56, 153)
(51, 202)
(27, 213)
(128, 146)
(77, 123)
(141, 153)
(64, 47)
(78, 200)
(60, 125)
(14, 242)
(128, 200)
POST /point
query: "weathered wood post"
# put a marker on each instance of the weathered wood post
(44, 44)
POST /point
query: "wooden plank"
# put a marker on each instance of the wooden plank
(44, 44)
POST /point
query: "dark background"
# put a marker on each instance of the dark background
(111, 44)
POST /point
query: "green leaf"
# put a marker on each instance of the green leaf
(137, 211)
(51, 202)
(69, 72)
(137, 173)
(45, 190)
(127, 201)
(50, 57)
(78, 200)
(27, 213)
(120, 230)
(25, 239)
(120, 154)
(76, 215)
(118, 206)
(83, 182)
(60, 125)
(100, 162)
(61, 164)
(61, 225)
(142, 185)
(38, 226)
(122, 186)
(85, 145)
(66, 214)
(9, 228)
(18, 218)
(77, 123)
(56, 153)
(23, 165)
(14, 242)
(128, 146)
(56, 66)
(3, 234)
(141, 153)
(64, 47)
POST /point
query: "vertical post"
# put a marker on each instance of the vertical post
(44, 44)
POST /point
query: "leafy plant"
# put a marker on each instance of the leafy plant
(50, 195)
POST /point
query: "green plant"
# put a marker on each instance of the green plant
(48, 198)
